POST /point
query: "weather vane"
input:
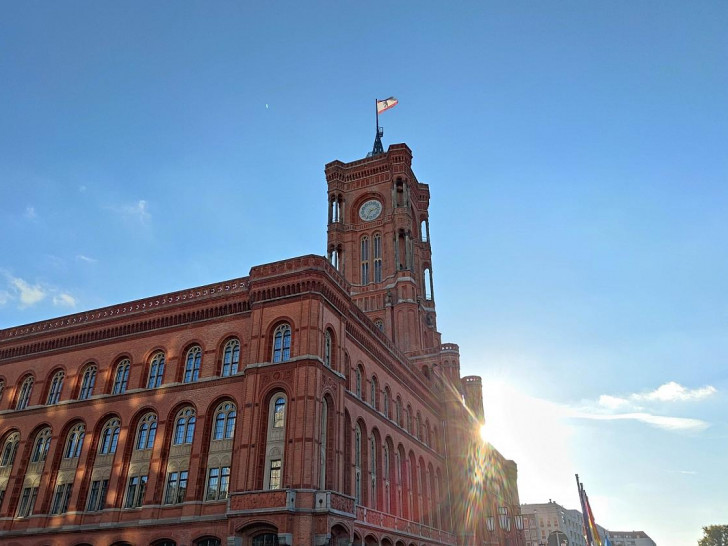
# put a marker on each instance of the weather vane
(381, 106)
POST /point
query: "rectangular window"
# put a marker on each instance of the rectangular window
(176, 487)
(61, 498)
(274, 481)
(97, 495)
(135, 491)
(218, 482)
(27, 500)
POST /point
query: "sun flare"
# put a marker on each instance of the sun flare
(483, 433)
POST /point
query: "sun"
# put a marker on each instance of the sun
(483, 433)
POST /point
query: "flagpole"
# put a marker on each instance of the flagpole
(585, 517)
(376, 113)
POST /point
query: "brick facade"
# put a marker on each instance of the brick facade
(305, 404)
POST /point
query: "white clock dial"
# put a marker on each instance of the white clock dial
(370, 210)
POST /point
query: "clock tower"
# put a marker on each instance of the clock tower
(379, 240)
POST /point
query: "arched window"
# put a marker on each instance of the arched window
(418, 427)
(41, 446)
(365, 260)
(373, 470)
(225, 416)
(374, 392)
(146, 432)
(231, 358)
(109, 437)
(377, 257)
(10, 448)
(87, 383)
(327, 348)
(358, 382)
(184, 430)
(279, 413)
(275, 442)
(424, 231)
(385, 471)
(398, 411)
(387, 396)
(156, 371)
(54, 392)
(121, 377)
(322, 443)
(24, 395)
(2, 389)
(428, 283)
(192, 365)
(357, 464)
(282, 343)
(74, 442)
(410, 426)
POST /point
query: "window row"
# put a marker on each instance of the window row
(394, 410)
(86, 385)
(176, 478)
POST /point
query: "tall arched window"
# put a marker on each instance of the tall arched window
(428, 283)
(88, 381)
(2, 389)
(146, 432)
(374, 392)
(225, 416)
(109, 437)
(10, 448)
(54, 392)
(156, 371)
(358, 380)
(121, 377)
(373, 470)
(282, 343)
(365, 260)
(26, 388)
(398, 411)
(377, 257)
(418, 427)
(74, 442)
(231, 358)
(41, 446)
(322, 443)
(357, 464)
(387, 396)
(184, 429)
(275, 442)
(385, 471)
(327, 348)
(192, 365)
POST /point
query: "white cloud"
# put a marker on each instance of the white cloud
(29, 294)
(30, 213)
(137, 211)
(660, 421)
(65, 300)
(86, 259)
(613, 402)
(674, 392)
(4, 297)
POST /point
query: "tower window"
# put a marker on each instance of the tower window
(377, 257)
(327, 348)
(279, 413)
(365, 260)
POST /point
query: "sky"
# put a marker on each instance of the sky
(576, 157)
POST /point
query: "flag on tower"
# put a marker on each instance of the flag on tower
(386, 104)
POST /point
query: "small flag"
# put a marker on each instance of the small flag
(386, 104)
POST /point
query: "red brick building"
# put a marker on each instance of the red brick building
(311, 402)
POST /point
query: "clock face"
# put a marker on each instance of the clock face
(370, 210)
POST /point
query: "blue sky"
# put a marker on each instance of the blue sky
(576, 158)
